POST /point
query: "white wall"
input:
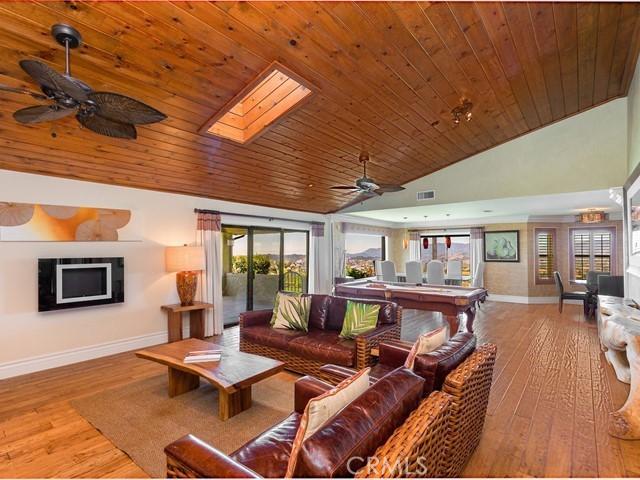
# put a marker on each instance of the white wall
(633, 113)
(582, 153)
(31, 341)
(633, 274)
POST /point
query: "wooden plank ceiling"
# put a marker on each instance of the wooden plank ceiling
(387, 73)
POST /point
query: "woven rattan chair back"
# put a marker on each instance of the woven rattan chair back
(469, 386)
(416, 448)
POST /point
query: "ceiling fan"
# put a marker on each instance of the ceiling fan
(365, 186)
(106, 113)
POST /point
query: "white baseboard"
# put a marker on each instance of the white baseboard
(74, 355)
(529, 300)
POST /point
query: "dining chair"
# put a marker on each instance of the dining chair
(478, 276)
(388, 269)
(435, 272)
(562, 295)
(592, 291)
(378, 269)
(454, 270)
(611, 285)
(413, 272)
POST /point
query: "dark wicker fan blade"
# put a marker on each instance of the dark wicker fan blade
(124, 109)
(107, 127)
(388, 188)
(45, 76)
(344, 187)
(42, 113)
(24, 91)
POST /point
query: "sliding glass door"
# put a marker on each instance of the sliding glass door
(258, 262)
(267, 261)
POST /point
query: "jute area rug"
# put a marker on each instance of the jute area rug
(140, 419)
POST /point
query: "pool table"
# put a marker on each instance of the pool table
(449, 300)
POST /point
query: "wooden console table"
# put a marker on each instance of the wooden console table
(619, 331)
(196, 319)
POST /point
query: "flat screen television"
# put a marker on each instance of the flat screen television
(65, 283)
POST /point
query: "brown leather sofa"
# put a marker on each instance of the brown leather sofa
(436, 439)
(306, 352)
(338, 449)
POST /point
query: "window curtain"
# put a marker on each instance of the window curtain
(476, 250)
(414, 246)
(209, 236)
(338, 248)
(317, 236)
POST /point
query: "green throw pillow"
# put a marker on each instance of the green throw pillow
(277, 302)
(359, 318)
(291, 312)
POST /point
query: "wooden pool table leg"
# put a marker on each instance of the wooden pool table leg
(454, 323)
(471, 315)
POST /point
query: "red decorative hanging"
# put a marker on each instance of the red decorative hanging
(425, 242)
(447, 241)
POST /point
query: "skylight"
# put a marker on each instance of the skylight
(274, 93)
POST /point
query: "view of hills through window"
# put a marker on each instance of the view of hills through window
(361, 251)
(438, 250)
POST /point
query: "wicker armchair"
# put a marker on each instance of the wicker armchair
(440, 436)
(416, 448)
(469, 386)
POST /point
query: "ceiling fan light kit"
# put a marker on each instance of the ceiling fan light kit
(462, 112)
(105, 113)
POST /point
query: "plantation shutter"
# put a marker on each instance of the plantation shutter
(602, 252)
(545, 261)
(581, 254)
(592, 250)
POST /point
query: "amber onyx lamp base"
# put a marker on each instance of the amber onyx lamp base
(187, 283)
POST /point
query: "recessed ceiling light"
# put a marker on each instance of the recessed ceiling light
(274, 93)
(310, 185)
(487, 211)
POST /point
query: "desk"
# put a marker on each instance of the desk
(619, 332)
(196, 319)
(449, 300)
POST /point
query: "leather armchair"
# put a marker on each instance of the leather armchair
(433, 366)
(341, 446)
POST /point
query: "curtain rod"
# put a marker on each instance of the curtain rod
(246, 215)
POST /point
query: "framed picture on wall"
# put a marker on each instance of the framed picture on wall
(502, 246)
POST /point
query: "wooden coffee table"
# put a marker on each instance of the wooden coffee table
(233, 375)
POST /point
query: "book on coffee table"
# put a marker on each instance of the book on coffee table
(204, 352)
(203, 356)
(210, 357)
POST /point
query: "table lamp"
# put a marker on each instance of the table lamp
(187, 261)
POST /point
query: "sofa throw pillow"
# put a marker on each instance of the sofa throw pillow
(427, 342)
(323, 407)
(276, 302)
(359, 318)
(291, 312)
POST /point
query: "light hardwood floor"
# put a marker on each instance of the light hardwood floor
(547, 414)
